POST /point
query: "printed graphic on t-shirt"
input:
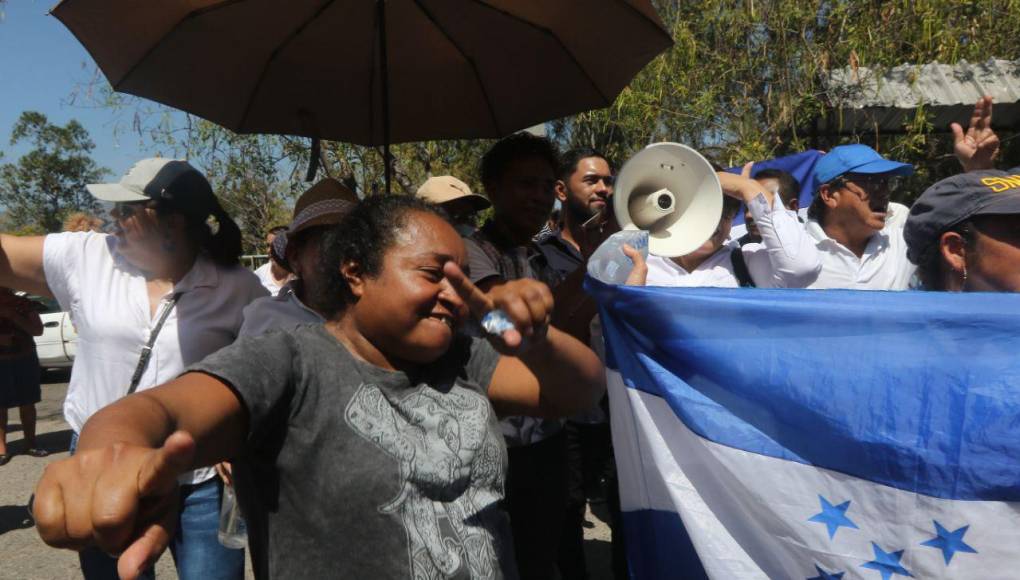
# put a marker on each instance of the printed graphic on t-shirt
(451, 469)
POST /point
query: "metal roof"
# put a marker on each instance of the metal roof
(863, 100)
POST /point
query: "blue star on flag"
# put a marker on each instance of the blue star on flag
(823, 575)
(833, 516)
(887, 563)
(949, 542)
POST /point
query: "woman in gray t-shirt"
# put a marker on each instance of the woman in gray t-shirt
(366, 447)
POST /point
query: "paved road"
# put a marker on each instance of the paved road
(23, 556)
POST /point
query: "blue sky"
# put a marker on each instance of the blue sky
(40, 64)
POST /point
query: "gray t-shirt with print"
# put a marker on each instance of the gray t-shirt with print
(352, 471)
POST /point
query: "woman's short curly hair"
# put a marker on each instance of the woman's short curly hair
(363, 237)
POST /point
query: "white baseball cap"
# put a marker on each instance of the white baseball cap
(151, 179)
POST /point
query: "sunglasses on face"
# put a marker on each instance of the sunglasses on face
(868, 183)
(126, 209)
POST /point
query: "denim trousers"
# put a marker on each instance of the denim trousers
(196, 549)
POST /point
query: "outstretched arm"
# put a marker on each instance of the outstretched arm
(118, 491)
(197, 403)
(21, 264)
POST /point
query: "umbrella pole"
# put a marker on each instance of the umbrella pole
(386, 160)
(313, 160)
(380, 6)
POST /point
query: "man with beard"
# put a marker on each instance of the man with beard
(584, 188)
(858, 233)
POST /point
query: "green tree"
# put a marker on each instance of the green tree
(247, 176)
(745, 79)
(48, 181)
(175, 133)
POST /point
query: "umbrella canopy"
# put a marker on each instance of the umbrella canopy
(371, 72)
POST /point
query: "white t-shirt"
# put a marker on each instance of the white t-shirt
(283, 311)
(883, 266)
(109, 303)
(265, 276)
(715, 272)
(785, 258)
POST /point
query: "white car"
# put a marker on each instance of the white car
(59, 341)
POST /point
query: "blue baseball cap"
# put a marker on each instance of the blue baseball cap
(857, 158)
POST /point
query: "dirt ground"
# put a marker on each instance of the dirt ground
(23, 556)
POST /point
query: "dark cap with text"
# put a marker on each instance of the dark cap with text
(956, 199)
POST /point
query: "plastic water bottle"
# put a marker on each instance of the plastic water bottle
(233, 532)
(609, 264)
(496, 322)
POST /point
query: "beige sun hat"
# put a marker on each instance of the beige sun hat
(451, 193)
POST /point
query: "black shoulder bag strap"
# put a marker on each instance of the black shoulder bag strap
(740, 269)
(143, 361)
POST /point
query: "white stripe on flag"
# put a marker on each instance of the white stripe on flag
(750, 516)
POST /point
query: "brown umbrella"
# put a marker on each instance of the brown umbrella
(371, 72)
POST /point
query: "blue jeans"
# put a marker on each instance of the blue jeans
(196, 549)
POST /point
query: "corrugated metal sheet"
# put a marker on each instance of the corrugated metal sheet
(862, 100)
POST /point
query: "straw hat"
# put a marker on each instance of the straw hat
(324, 204)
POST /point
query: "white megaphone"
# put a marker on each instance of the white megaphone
(672, 192)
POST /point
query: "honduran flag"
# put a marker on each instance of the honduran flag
(815, 434)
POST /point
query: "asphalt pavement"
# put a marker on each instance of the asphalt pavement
(23, 556)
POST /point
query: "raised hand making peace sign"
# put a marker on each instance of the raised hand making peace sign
(978, 146)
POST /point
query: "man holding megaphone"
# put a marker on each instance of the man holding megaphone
(687, 207)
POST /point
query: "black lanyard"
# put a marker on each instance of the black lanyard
(143, 361)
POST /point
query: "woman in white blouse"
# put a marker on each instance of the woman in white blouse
(167, 281)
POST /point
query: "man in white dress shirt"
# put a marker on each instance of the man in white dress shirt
(857, 232)
(785, 258)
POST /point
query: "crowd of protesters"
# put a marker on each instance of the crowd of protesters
(372, 426)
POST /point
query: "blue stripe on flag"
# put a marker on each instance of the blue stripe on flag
(800, 165)
(918, 391)
(658, 546)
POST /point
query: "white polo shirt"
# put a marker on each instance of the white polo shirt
(265, 276)
(883, 266)
(785, 258)
(109, 304)
(283, 311)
